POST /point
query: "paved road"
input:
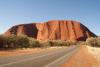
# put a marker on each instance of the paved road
(52, 58)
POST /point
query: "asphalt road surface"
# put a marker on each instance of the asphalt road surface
(52, 58)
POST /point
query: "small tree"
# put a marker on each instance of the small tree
(34, 43)
(23, 41)
(82, 43)
(70, 42)
(45, 44)
(2, 40)
(91, 41)
(11, 41)
(98, 41)
(60, 43)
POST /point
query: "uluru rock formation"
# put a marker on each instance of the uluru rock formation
(53, 30)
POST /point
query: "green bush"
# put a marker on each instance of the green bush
(34, 43)
(45, 44)
(57, 43)
(72, 42)
(63, 43)
(51, 43)
(2, 41)
(22, 41)
(98, 41)
(11, 41)
(91, 41)
(82, 43)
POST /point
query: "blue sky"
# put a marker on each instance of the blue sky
(13, 12)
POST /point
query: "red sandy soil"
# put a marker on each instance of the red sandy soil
(81, 59)
(7, 53)
(95, 51)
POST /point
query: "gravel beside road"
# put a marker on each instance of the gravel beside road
(95, 51)
(81, 59)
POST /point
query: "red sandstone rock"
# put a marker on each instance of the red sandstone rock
(53, 30)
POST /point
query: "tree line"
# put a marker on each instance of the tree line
(13, 42)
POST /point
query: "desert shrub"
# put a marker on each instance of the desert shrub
(14, 41)
(57, 43)
(60, 43)
(34, 43)
(82, 43)
(64, 43)
(92, 41)
(7, 41)
(98, 41)
(2, 41)
(22, 41)
(45, 44)
(11, 41)
(70, 42)
(51, 43)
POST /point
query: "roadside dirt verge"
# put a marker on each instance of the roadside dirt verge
(81, 59)
(7, 53)
(95, 51)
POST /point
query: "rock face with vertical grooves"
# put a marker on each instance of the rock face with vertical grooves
(53, 30)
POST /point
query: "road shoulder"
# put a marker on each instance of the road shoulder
(81, 59)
